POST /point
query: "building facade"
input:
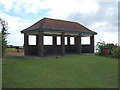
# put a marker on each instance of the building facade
(57, 28)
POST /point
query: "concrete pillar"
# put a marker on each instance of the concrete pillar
(54, 43)
(75, 40)
(36, 39)
(63, 43)
(26, 40)
(68, 40)
(78, 42)
(40, 44)
(92, 43)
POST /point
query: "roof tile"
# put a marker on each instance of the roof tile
(55, 24)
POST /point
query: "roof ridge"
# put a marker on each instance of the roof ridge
(86, 27)
(60, 20)
(42, 22)
(33, 24)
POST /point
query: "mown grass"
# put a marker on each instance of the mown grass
(85, 71)
(10, 48)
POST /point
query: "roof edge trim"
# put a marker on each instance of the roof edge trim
(34, 30)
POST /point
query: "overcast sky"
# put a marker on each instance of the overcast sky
(101, 17)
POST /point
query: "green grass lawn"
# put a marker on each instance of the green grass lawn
(11, 49)
(85, 71)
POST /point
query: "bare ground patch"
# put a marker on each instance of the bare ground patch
(14, 52)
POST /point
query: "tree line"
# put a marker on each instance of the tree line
(3, 36)
(113, 49)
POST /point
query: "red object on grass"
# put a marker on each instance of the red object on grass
(106, 51)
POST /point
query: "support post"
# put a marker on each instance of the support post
(75, 40)
(54, 43)
(68, 40)
(36, 39)
(26, 39)
(78, 42)
(63, 43)
(92, 43)
(40, 44)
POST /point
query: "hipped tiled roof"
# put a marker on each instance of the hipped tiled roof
(57, 25)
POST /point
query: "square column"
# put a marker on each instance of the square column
(40, 44)
(75, 40)
(78, 43)
(26, 39)
(92, 43)
(36, 39)
(54, 43)
(63, 43)
(68, 40)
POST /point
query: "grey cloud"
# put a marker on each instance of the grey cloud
(108, 11)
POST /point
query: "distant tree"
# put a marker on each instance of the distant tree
(102, 45)
(3, 34)
(116, 52)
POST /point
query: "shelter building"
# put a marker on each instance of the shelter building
(57, 28)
